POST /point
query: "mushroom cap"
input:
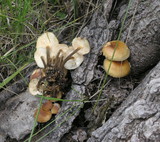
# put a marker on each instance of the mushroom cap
(47, 106)
(63, 47)
(117, 69)
(75, 61)
(37, 73)
(122, 52)
(43, 116)
(81, 43)
(33, 87)
(41, 52)
(47, 39)
(55, 109)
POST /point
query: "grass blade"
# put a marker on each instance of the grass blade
(8, 79)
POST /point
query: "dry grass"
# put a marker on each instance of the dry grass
(21, 22)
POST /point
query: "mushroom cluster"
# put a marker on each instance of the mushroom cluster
(46, 111)
(49, 40)
(116, 63)
(72, 57)
(53, 60)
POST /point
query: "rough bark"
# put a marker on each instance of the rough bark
(140, 32)
(138, 118)
(17, 117)
(11, 91)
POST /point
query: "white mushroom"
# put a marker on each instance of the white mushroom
(49, 42)
(41, 52)
(58, 47)
(75, 61)
(47, 39)
(81, 43)
(33, 87)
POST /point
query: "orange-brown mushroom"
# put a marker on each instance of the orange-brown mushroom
(47, 106)
(43, 116)
(117, 68)
(37, 73)
(119, 48)
(55, 109)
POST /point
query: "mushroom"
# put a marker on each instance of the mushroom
(81, 43)
(47, 106)
(75, 61)
(37, 73)
(41, 52)
(117, 68)
(120, 49)
(55, 50)
(55, 109)
(47, 39)
(43, 116)
(58, 96)
(33, 87)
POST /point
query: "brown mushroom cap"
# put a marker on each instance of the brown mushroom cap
(37, 73)
(43, 116)
(117, 69)
(47, 106)
(55, 108)
(122, 52)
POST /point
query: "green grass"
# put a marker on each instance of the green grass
(21, 22)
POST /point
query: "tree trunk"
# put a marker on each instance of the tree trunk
(138, 118)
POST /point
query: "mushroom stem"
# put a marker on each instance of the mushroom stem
(45, 65)
(48, 55)
(58, 58)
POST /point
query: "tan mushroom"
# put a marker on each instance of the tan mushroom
(47, 106)
(117, 68)
(55, 109)
(33, 87)
(43, 116)
(81, 43)
(37, 73)
(120, 49)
